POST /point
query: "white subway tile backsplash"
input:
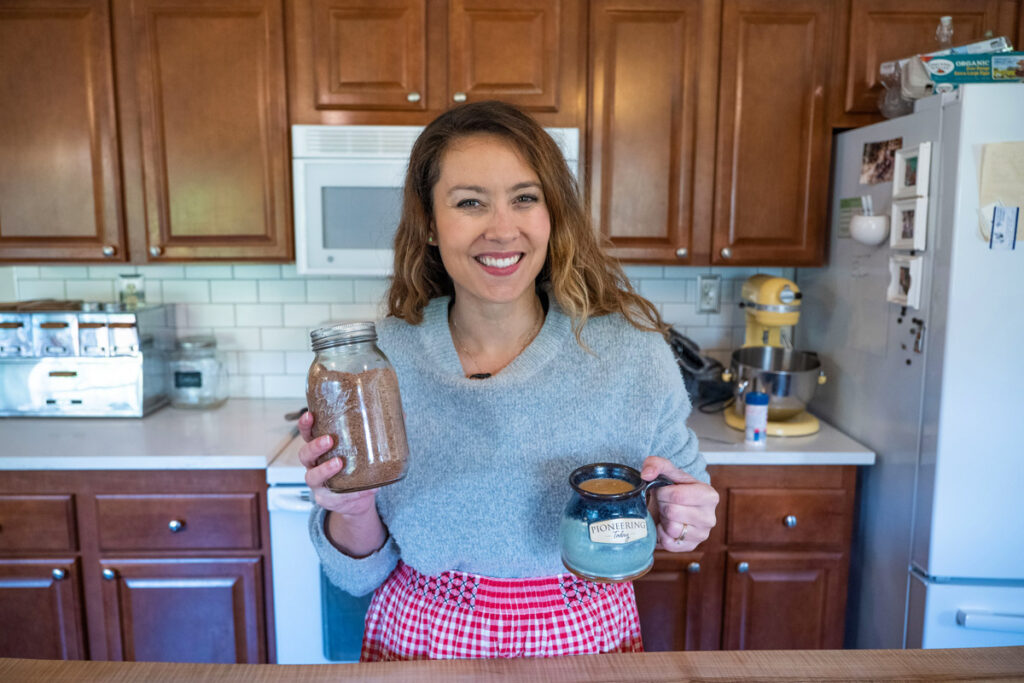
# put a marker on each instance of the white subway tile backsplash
(258, 315)
(329, 291)
(280, 291)
(258, 272)
(284, 338)
(261, 314)
(186, 291)
(208, 272)
(306, 315)
(234, 291)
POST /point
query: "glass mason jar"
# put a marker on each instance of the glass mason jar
(198, 375)
(352, 391)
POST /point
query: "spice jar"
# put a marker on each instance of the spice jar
(198, 375)
(352, 391)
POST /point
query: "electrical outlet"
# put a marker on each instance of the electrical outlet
(709, 293)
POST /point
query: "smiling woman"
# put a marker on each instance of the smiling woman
(522, 352)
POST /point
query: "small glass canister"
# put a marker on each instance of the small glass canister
(198, 375)
(352, 391)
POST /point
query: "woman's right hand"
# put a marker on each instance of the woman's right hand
(354, 526)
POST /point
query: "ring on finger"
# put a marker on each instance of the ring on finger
(682, 535)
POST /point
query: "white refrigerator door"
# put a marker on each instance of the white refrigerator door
(964, 614)
(970, 506)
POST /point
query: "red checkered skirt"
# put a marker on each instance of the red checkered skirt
(462, 615)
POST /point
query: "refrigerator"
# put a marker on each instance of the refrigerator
(936, 389)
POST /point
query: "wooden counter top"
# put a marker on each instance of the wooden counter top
(829, 665)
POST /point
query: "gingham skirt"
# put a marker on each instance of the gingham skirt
(461, 615)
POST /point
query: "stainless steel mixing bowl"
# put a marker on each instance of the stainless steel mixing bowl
(788, 377)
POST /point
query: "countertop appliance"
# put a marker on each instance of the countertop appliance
(347, 184)
(315, 622)
(938, 559)
(83, 359)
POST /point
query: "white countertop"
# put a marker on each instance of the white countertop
(720, 444)
(241, 434)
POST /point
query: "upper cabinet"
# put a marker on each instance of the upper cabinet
(882, 30)
(188, 161)
(710, 138)
(405, 61)
(60, 191)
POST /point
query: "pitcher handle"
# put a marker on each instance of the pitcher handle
(660, 480)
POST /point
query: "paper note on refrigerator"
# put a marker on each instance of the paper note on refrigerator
(1002, 180)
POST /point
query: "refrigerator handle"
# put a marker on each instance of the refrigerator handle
(989, 621)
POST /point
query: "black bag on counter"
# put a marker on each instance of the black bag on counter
(702, 375)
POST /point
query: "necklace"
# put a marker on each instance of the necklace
(480, 374)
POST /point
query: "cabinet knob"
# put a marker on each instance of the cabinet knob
(58, 574)
(155, 251)
(413, 97)
(459, 97)
(726, 252)
(682, 252)
(789, 521)
(109, 250)
(175, 525)
(693, 567)
(742, 567)
(109, 574)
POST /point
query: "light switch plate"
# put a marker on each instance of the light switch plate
(709, 293)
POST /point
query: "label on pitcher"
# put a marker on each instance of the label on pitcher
(620, 530)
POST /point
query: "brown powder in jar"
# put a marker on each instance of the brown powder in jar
(362, 412)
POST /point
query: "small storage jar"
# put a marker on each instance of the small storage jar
(198, 376)
(352, 392)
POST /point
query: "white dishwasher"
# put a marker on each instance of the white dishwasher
(314, 621)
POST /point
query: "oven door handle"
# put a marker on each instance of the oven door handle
(289, 499)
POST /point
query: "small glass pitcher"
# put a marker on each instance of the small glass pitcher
(607, 534)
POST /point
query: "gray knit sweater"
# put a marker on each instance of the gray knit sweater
(489, 460)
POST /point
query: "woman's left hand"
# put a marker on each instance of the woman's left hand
(686, 509)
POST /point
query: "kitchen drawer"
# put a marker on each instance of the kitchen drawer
(178, 522)
(785, 516)
(39, 523)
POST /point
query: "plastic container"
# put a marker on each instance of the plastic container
(198, 375)
(756, 415)
(352, 391)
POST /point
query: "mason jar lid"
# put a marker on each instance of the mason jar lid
(342, 333)
(199, 342)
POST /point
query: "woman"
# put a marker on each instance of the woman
(522, 352)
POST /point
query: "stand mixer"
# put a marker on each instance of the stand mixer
(765, 363)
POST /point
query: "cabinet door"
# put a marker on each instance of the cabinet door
(521, 51)
(653, 65)
(679, 602)
(881, 30)
(60, 194)
(184, 610)
(42, 609)
(784, 600)
(204, 88)
(772, 167)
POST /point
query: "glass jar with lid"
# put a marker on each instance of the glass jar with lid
(198, 376)
(352, 392)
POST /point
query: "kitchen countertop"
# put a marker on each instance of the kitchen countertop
(241, 434)
(983, 663)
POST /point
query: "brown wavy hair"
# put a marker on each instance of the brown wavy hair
(578, 273)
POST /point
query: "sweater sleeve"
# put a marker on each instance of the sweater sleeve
(357, 576)
(673, 439)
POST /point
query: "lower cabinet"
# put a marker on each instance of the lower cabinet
(772, 575)
(135, 566)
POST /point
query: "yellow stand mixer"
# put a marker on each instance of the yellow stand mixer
(765, 363)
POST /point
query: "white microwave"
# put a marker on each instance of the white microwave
(347, 184)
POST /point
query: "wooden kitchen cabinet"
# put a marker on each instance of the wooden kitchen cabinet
(772, 575)
(60, 187)
(882, 30)
(405, 61)
(144, 130)
(135, 565)
(709, 131)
